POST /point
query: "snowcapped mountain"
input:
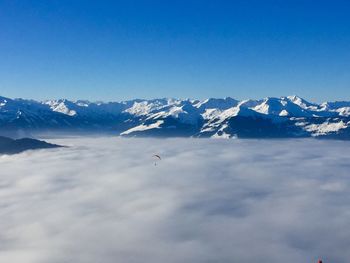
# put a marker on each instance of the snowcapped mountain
(289, 116)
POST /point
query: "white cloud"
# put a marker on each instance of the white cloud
(244, 201)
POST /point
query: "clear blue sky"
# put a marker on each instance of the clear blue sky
(115, 50)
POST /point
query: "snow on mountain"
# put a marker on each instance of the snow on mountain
(345, 111)
(237, 111)
(291, 106)
(144, 107)
(221, 104)
(185, 112)
(340, 107)
(326, 128)
(143, 127)
(289, 116)
(335, 105)
(62, 107)
(283, 107)
(302, 103)
(3, 102)
(221, 134)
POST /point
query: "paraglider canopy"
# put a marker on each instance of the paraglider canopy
(157, 158)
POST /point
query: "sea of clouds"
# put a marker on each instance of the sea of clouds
(104, 200)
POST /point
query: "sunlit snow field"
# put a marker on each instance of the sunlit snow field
(103, 200)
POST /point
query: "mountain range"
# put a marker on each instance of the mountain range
(285, 117)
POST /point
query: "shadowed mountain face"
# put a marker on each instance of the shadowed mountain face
(11, 146)
(285, 117)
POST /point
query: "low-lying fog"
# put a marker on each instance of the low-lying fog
(242, 201)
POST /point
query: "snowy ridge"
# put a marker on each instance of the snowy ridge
(290, 116)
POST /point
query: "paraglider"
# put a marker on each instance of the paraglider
(157, 158)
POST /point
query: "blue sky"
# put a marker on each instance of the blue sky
(116, 50)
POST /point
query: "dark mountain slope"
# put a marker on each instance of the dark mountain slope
(11, 146)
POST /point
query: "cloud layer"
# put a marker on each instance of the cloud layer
(244, 201)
